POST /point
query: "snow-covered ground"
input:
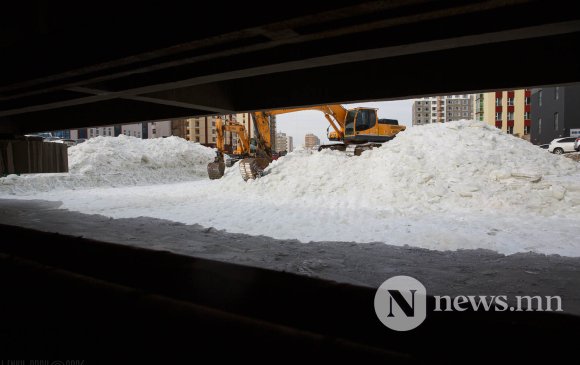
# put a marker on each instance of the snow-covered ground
(457, 185)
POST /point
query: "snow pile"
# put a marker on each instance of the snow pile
(119, 161)
(457, 185)
(456, 166)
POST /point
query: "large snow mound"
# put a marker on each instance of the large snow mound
(120, 161)
(457, 185)
(433, 168)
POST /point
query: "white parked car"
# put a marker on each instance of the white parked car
(562, 145)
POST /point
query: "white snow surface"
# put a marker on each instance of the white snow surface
(119, 161)
(457, 185)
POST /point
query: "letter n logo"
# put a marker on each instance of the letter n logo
(401, 303)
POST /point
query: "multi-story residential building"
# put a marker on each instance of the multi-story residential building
(509, 111)
(555, 113)
(310, 140)
(159, 129)
(179, 128)
(281, 142)
(439, 109)
(290, 144)
(107, 131)
(132, 130)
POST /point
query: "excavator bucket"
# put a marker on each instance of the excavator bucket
(253, 168)
(215, 170)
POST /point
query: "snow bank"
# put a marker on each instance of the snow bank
(457, 185)
(455, 166)
(119, 161)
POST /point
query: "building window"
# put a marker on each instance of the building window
(540, 98)
(526, 130)
(498, 116)
(197, 139)
(197, 124)
(556, 122)
(464, 108)
(418, 109)
(497, 101)
(464, 114)
(510, 115)
(433, 108)
(433, 114)
(196, 130)
(510, 129)
(448, 101)
(539, 125)
(213, 131)
(527, 100)
(154, 131)
(526, 115)
(213, 139)
(213, 124)
(465, 102)
(434, 102)
(511, 101)
(556, 93)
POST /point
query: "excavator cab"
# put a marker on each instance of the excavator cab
(362, 125)
(359, 124)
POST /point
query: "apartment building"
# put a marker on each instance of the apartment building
(310, 140)
(508, 110)
(281, 142)
(445, 108)
(289, 144)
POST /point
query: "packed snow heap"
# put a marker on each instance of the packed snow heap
(456, 185)
(120, 161)
(465, 164)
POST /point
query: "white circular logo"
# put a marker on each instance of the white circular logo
(401, 303)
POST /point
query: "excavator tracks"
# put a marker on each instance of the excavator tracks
(351, 149)
(253, 168)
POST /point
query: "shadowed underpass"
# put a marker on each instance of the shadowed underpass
(464, 272)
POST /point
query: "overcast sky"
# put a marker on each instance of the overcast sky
(299, 124)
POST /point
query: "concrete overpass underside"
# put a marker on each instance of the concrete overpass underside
(81, 64)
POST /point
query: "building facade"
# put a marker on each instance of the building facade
(159, 129)
(132, 130)
(555, 113)
(439, 109)
(289, 144)
(508, 110)
(310, 140)
(281, 142)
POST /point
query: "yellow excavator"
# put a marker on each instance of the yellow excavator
(356, 130)
(217, 168)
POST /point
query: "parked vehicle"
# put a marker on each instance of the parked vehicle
(69, 142)
(577, 144)
(562, 145)
(53, 139)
